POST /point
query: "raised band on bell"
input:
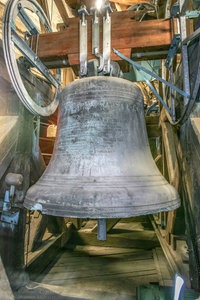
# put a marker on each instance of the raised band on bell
(101, 165)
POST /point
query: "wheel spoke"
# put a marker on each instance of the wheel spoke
(13, 43)
(26, 20)
(33, 59)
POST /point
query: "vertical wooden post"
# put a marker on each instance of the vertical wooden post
(12, 237)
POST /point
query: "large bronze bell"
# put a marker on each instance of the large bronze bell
(101, 165)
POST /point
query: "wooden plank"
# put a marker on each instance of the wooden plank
(130, 35)
(162, 267)
(170, 151)
(56, 225)
(38, 227)
(6, 292)
(64, 10)
(173, 168)
(153, 127)
(94, 276)
(9, 126)
(83, 251)
(128, 2)
(104, 287)
(94, 269)
(195, 122)
(143, 240)
(40, 259)
(45, 7)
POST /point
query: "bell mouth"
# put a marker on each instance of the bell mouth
(101, 165)
(104, 197)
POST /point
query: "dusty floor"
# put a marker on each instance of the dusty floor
(104, 272)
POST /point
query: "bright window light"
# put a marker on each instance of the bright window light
(99, 4)
(178, 286)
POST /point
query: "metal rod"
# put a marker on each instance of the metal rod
(172, 95)
(137, 66)
(83, 46)
(33, 59)
(101, 234)
(183, 33)
(26, 20)
(106, 43)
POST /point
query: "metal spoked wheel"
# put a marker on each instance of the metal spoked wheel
(22, 20)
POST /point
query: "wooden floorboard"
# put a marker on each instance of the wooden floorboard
(101, 271)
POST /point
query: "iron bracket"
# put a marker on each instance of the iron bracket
(192, 14)
(175, 9)
(83, 40)
(153, 74)
(172, 50)
(95, 40)
(26, 20)
(95, 32)
(33, 58)
(189, 14)
(106, 38)
(8, 214)
(10, 217)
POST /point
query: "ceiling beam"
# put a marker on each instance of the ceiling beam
(129, 2)
(45, 7)
(129, 36)
(64, 10)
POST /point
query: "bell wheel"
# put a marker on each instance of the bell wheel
(21, 26)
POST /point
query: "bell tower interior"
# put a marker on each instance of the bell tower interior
(99, 149)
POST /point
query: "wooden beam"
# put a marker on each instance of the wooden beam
(153, 130)
(170, 146)
(141, 240)
(9, 127)
(64, 10)
(129, 36)
(6, 292)
(129, 2)
(45, 7)
(170, 151)
(40, 259)
(37, 229)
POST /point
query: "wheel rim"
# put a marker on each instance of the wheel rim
(12, 43)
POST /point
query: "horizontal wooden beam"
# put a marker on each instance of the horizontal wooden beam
(141, 240)
(129, 2)
(9, 129)
(40, 259)
(6, 292)
(64, 10)
(153, 129)
(128, 36)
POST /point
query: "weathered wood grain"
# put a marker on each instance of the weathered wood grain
(9, 126)
(129, 36)
(5, 289)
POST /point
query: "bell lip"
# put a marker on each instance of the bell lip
(105, 200)
(105, 212)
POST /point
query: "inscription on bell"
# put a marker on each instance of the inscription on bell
(102, 165)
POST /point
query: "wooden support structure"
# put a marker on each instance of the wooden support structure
(45, 7)
(141, 240)
(9, 126)
(40, 259)
(129, 36)
(128, 2)
(172, 168)
(153, 130)
(6, 292)
(64, 10)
